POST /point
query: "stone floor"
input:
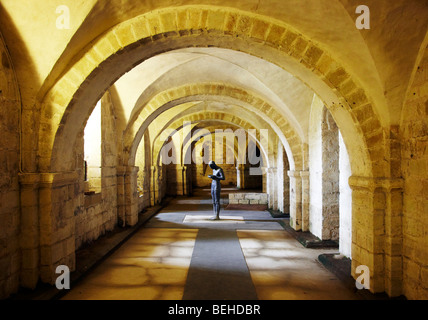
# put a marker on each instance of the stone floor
(181, 254)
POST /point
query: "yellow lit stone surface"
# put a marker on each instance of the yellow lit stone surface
(245, 65)
(282, 269)
(151, 266)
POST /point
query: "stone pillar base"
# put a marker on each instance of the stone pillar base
(377, 232)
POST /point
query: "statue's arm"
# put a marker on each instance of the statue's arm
(220, 175)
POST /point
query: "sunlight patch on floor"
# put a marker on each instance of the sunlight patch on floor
(282, 269)
(153, 265)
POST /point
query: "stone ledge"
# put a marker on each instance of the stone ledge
(248, 207)
(278, 214)
(308, 240)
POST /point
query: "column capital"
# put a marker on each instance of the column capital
(304, 174)
(375, 183)
(155, 170)
(132, 170)
(294, 174)
(29, 180)
(55, 178)
(240, 166)
(120, 170)
(123, 170)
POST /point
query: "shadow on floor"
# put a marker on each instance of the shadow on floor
(341, 268)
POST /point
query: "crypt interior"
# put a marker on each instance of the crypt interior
(111, 110)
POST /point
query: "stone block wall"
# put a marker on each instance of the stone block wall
(414, 134)
(324, 173)
(143, 188)
(330, 177)
(98, 213)
(61, 199)
(315, 168)
(248, 198)
(296, 199)
(200, 175)
(158, 184)
(345, 202)
(10, 259)
(177, 180)
(142, 161)
(283, 181)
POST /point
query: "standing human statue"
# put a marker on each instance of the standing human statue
(216, 177)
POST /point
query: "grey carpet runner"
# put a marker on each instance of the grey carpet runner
(218, 270)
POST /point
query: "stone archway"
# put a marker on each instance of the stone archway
(67, 105)
(202, 121)
(318, 67)
(170, 98)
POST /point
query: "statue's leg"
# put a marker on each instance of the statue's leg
(215, 194)
(214, 200)
(214, 210)
(217, 211)
(216, 207)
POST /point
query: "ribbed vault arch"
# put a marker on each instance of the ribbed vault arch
(175, 96)
(222, 118)
(128, 43)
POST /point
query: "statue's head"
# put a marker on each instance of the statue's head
(213, 165)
